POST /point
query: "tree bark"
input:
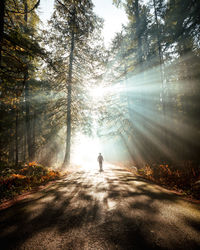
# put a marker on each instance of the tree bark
(140, 98)
(27, 117)
(2, 13)
(16, 136)
(11, 149)
(160, 54)
(158, 36)
(69, 90)
(138, 34)
(33, 134)
(27, 99)
(161, 74)
(24, 125)
(24, 144)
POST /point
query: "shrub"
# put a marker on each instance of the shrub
(24, 177)
(182, 176)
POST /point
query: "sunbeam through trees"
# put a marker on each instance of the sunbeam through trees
(137, 98)
(99, 124)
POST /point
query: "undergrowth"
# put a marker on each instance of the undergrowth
(15, 180)
(183, 176)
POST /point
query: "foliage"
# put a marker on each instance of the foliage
(17, 179)
(20, 52)
(183, 176)
(155, 60)
(75, 34)
(152, 111)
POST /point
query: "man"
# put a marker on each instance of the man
(100, 160)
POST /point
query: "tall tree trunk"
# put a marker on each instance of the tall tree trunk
(69, 90)
(24, 144)
(69, 98)
(127, 91)
(2, 13)
(158, 39)
(11, 148)
(33, 134)
(160, 54)
(139, 36)
(27, 117)
(24, 126)
(16, 136)
(27, 98)
(140, 97)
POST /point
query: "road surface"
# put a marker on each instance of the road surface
(109, 210)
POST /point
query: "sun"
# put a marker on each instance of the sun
(97, 92)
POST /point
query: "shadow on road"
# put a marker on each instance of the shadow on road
(109, 210)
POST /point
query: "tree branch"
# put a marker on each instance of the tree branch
(28, 11)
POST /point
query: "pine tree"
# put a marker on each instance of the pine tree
(18, 48)
(73, 27)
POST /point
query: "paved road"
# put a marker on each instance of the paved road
(109, 210)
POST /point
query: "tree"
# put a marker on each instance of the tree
(74, 21)
(162, 45)
(19, 48)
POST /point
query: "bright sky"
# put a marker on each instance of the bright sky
(114, 17)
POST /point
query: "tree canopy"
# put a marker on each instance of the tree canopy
(148, 81)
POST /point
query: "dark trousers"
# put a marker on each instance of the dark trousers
(100, 165)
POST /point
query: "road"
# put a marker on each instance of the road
(109, 210)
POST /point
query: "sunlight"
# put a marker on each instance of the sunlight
(85, 152)
(103, 91)
(97, 92)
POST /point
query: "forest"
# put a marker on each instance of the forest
(140, 97)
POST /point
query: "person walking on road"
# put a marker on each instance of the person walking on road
(100, 160)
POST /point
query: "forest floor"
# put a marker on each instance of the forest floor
(113, 209)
